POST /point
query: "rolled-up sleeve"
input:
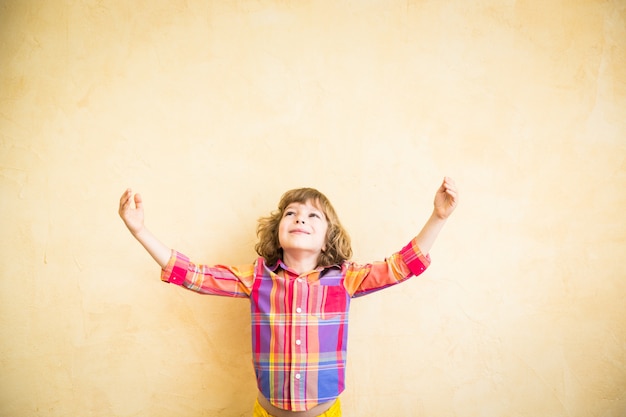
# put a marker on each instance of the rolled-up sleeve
(228, 281)
(365, 279)
(414, 259)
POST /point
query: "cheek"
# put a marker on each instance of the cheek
(326, 238)
(281, 232)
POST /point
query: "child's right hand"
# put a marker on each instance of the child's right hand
(132, 216)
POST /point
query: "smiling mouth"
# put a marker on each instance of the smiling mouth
(299, 231)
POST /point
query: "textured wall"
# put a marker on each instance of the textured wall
(212, 109)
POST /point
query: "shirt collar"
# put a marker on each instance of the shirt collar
(280, 264)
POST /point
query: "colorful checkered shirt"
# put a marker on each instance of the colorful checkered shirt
(299, 322)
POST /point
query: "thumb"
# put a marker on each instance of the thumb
(442, 187)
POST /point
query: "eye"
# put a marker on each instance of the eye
(315, 215)
(288, 213)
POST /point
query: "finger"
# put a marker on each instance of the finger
(451, 189)
(452, 196)
(138, 201)
(449, 183)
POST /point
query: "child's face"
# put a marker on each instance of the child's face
(303, 227)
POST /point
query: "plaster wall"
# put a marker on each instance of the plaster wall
(212, 109)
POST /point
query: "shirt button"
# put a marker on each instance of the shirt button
(298, 310)
(297, 376)
(298, 342)
(299, 280)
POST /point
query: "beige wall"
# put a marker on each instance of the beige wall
(213, 109)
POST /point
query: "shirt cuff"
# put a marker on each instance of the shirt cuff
(414, 259)
(176, 269)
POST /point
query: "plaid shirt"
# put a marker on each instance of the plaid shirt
(299, 322)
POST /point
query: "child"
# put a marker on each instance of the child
(299, 289)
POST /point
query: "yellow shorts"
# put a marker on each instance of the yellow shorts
(333, 411)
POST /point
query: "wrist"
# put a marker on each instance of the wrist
(439, 216)
(138, 233)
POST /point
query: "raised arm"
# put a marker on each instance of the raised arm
(133, 217)
(446, 200)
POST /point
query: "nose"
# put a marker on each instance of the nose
(299, 220)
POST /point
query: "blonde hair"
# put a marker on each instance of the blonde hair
(338, 247)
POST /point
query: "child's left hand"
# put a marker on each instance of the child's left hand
(446, 198)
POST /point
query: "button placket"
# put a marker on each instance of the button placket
(300, 330)
(300, 289)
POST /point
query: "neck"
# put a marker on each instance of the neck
(300, 262)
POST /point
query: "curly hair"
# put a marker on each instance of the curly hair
(338, 247)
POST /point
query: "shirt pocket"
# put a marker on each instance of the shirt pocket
(328, 301)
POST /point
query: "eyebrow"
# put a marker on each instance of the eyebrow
(296, 204)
